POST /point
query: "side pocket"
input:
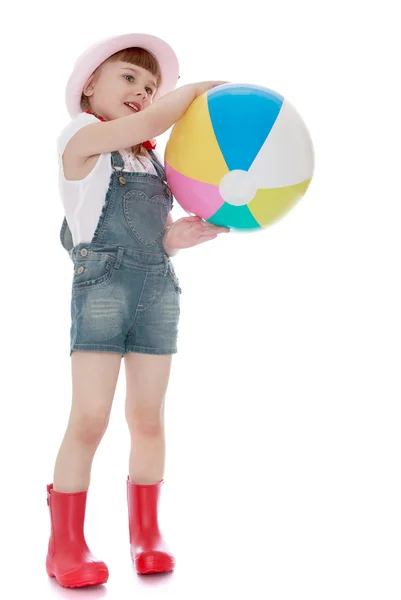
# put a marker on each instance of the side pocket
(174, 279)
(92, 274)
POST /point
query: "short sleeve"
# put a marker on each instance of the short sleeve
(71, 129)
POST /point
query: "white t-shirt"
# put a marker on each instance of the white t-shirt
(83, 199)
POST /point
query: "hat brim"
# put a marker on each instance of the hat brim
(96, 54)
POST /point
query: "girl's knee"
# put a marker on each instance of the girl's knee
(146, 421)
(88, 428)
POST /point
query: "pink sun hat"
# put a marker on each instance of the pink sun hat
(88, 62)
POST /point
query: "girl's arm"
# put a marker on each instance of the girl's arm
(96, 138)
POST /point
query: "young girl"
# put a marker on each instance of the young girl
(125, 295)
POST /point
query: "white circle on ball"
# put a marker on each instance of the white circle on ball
(238, 187)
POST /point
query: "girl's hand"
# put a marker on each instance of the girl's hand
(204, 86)
(188, 232)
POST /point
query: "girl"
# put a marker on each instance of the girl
(125, 295)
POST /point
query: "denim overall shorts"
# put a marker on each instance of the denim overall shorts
(125, 293)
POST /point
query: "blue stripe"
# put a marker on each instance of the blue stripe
(237, 217)
(242, 117)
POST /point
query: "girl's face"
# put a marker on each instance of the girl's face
(116, 85)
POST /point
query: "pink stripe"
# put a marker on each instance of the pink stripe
(195, 197)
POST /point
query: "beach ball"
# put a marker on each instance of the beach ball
(240, 157)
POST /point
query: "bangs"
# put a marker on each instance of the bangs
(140, 58)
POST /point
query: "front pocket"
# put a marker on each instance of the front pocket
(146, 217)
(89, 274)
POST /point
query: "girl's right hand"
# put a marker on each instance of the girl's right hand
(188, 232)
(204, 86)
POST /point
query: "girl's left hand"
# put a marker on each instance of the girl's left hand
(190, 231)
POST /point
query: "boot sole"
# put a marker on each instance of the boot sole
(72, 580)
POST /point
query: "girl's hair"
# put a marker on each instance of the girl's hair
(138, 57)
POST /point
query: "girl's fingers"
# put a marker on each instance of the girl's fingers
(211, 232)
(210, 227)
(205, 225)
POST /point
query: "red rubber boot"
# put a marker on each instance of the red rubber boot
(149, 552)
(69, 559)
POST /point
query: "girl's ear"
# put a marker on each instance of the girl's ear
(88, 88)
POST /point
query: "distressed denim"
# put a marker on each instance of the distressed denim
(125, 293)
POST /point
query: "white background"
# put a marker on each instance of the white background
(283, 412)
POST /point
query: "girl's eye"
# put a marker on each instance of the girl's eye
(148, 89)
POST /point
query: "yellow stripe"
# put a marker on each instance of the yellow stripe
(192, 149)
(269, 205)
